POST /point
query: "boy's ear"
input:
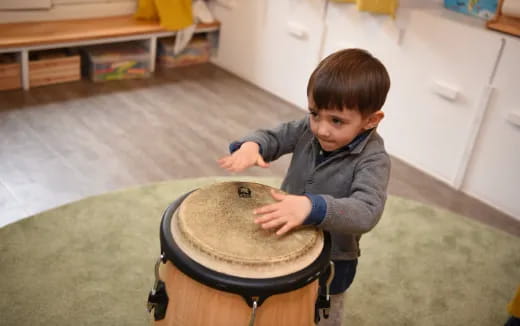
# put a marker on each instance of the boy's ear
(374, 119)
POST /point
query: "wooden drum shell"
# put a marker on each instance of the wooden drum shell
(194, 304)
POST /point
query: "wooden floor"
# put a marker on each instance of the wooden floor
(63, 142)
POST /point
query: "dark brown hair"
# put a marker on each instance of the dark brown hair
(351, 79)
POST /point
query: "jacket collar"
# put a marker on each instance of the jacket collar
(357, 147)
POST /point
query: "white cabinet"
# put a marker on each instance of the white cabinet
(239, 39)
(274, 44)
(440, 76)
(494, 170)
(441, 65)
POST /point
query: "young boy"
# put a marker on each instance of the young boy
(338, 175)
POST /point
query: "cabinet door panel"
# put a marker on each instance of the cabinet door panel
(288, 60)
(258, 43)
(424, 53)
(438, 56)
(240, 36)
(494, 171)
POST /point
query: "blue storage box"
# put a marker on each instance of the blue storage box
(484, 9)
(117, 61)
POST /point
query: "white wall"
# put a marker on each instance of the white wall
(45, 10)
(260, 45)
(443, 97)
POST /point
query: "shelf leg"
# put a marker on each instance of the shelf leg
(153, 52)
(25, 69)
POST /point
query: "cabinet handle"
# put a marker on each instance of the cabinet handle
(297, 30)
(444, 90)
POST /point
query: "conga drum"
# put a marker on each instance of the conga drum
(217, 267)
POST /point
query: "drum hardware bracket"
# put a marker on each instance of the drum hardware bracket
(329, 280)
(323, 301)
(253, 312)
(158, 298)
(251, 300)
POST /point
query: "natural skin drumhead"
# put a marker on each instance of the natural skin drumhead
(214, 226)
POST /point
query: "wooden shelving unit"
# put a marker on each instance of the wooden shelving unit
(504, 23)
(21, 38)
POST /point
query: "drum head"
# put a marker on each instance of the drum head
(214, 226)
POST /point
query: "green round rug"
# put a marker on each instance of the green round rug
(91, 263)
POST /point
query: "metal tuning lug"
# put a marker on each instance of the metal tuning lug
(244, 192)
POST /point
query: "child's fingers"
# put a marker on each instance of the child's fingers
(278, 196)
(235, 163)
(223, 158)
(267, 218)
(273, 223)
(266, 209)
(232, 163)
(261, 163)
(226, 162)
(221, 162)
(284, 229)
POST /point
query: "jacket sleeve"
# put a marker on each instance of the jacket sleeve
(278, 141)
(361, 211)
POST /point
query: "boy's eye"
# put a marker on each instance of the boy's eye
(337, 121)
(313, 113)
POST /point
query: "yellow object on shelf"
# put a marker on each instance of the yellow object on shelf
(172, 14)
(514, 306)
(387, 7)
(378, 6)
(146, 10)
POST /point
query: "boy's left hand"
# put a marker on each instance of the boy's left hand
(289, 211)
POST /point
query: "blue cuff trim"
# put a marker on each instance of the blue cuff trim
(236, 145)
(319, 209)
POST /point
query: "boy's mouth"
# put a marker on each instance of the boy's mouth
(324, 141)
(326, 144)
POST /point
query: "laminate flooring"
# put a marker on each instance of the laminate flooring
(64, 142)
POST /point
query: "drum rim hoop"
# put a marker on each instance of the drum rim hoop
(248, 287)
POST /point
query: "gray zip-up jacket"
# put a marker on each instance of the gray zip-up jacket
(352, 183)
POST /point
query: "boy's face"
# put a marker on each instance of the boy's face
(335, 129)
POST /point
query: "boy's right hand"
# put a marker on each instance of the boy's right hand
(246, 156)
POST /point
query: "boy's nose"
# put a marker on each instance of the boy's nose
(323, 131)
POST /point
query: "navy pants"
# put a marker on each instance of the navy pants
(344, 272)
